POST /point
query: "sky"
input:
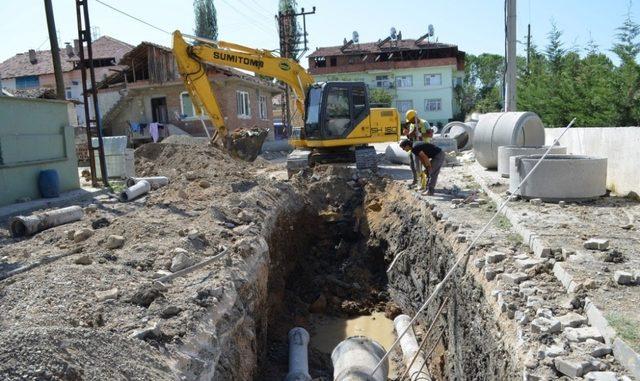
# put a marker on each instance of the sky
(476, 26)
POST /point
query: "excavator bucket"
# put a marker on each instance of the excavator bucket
(246, 143)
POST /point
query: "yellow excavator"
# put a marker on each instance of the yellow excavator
(338, 122)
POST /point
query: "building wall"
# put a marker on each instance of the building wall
(417, 94)
(35, 134)
(618, 144)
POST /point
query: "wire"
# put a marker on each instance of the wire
(43, 42)
(264, 27)
(133, 17)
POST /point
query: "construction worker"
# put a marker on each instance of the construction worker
(431, 156)
(423, 133)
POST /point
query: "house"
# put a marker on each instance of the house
(150, 89)
(27, 72)
(419, 74)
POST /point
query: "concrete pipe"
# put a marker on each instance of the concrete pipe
(446, 144)
(140, 188)
(461, 132)
(497, 129)
(559, 177)
(21, 226)
(155, 181)
(298, 355)
(396, 155)
(505, 152)
(410, 347)
(355, 358)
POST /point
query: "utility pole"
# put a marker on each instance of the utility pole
(528, 47)
(55, 50)
(510, 77)
(288, 33)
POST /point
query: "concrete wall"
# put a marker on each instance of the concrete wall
(35, 134)
(618, 144)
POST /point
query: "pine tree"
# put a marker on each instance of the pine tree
(627, 76)
(206, 20)
(555, 50)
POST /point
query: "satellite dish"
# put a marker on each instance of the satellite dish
(431, 30)
(393, 33)
(356, 37)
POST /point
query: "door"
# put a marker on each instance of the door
(159, 110)
(346, 106)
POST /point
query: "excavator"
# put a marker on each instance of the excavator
(338, 125)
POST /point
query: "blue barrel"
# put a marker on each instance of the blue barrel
(49, 183)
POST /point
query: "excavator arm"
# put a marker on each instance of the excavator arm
(191, 60)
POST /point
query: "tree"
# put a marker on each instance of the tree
(289, 28)
(380, 98)
(206, 21)
(555, 50)
(627, 76)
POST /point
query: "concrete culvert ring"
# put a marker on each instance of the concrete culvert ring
(18, 228)
(497, 129)
(505, 152)
(559, 177)
(462, 132)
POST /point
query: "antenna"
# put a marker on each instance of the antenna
(393, 34)
(356, 37)
(431, 30)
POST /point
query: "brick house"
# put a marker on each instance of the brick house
(150, 89)
(32, 72)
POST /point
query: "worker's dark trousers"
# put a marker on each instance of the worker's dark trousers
(436, 164)
(415, 164)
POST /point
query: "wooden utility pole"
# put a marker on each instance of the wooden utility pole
(55, 50)
(528, 47)
(510, 77)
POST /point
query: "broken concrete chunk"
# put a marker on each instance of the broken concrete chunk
(83, 260)
(554, 351)
(491, 272)
(597, 244)
(535, 201)
(82, 234)
(528, 263)
(570, 366)
(115, 241)
(107, 295)
(624, 278)
(151, 330)
(596, 348)
(204, 184)
(181, 260)
(572, 319)
(190, 176)
(582, 334)
(545, 325)
(457, 201)
(601, 376)
(479, 263)
(69, 234)
(514, 278)
(562, 204)
(494, 257)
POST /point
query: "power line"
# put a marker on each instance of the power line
(260, 6)
(133, 17)
(264, 27)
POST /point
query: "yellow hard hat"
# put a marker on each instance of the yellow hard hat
(410, 115)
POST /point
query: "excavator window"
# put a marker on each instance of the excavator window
(338, 117)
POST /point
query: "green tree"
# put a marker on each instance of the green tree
(206, 21)
(380, 98)
(627, 75)
(290, 28)
(555, 50)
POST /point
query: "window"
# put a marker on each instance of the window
(404, 81)
(433, 104)
(457, 81)
(186, 106)
(75, 83)
(433, 79)
(68, 92)
(338, 114)
(27, 82)
(359, 102)
(262, 106)
(383, 81)
(242, 101)
(404, 106)
(333, 61)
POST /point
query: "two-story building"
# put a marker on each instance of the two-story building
(418, 74)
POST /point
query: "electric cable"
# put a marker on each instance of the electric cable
(133, 17)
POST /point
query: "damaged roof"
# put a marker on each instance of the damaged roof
(377, 47)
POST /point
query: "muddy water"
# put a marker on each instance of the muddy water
(329, 331)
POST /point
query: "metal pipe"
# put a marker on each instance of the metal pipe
(155, 181)
(298, 356)
(140, 188)
(21, 226)
(413, 360)
(355, 359)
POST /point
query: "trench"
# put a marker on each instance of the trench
(328, 275)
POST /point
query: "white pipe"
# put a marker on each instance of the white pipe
(410, 350)
(155, 181)
(140, 188)
(298, 356)
(28, 225)
(355, 359)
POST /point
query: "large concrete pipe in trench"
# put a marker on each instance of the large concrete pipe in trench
(497, 129)
(461, 132)
(506, 152)
(155, 181)
(396, 155)
(355, 358)
(298, 355)
(21, 226)
(140, 188)
(559, 177)
(410, 347)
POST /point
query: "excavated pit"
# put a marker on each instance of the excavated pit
(328, 274)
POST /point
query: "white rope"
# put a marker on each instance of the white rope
(468, 250)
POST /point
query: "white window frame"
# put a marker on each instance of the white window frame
(437, 101)
(246, 103)
(410, 101)
(262, 107)
(383, 83)
(403, 81)
(193, 108)
(428, 77)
